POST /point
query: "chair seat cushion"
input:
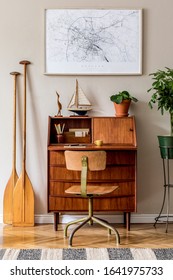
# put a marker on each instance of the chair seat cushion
(91, 190)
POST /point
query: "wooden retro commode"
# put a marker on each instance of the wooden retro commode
(80, 133)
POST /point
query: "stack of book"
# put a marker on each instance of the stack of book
(80, 132)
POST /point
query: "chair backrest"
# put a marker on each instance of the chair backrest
(96, 160)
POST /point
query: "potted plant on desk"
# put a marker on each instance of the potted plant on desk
(122, 102)
(162, 89)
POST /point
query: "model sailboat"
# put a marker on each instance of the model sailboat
(79, 103)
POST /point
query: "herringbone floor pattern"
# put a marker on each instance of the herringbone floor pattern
(44, 236)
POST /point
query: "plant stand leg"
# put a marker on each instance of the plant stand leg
(167, 186)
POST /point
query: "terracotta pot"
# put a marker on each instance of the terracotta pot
(121, 110)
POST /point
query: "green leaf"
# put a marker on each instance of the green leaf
(119, 99)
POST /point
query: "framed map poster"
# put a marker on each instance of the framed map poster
(93, 42)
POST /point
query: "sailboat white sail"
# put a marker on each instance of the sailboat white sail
(79, 103)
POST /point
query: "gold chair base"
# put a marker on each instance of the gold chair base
(90, 219)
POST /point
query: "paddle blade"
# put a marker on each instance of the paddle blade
(23, 202)
(8, 198)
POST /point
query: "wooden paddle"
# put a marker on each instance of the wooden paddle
(8, 193)
(23, 196)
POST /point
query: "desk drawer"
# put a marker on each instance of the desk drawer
(121, 157)
(99, 204)
(125, 189)
(110, 173)
(113, 157)
(56, 158)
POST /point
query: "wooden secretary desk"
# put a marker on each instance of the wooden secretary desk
(119, 142)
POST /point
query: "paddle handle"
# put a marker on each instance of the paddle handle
(25, 63)
(14, 74)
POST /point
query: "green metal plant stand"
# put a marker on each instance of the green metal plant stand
(167, 186)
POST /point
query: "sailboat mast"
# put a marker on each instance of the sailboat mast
(76, 95)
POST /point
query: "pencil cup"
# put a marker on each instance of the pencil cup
(60, 138)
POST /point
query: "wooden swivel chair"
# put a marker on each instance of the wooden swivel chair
(84, 161)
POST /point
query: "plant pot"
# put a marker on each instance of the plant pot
(166, 146)
(121, 110)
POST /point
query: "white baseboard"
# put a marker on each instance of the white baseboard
(135, 218)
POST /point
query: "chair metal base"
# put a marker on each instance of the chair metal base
(87, 220)
(90, 219)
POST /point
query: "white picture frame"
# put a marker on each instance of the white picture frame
(93, 42)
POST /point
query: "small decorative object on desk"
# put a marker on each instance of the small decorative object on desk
(59, 105)
(60, 131)
(79, 103)
(98, 142)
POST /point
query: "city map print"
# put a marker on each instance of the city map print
(93, 41)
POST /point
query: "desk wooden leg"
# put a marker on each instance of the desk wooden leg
(56, 220)
(127, 220)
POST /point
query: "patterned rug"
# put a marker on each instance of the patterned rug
(87, 254)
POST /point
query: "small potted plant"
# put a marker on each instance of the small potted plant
(162, 94)
(122, 102)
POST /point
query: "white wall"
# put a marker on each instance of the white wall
(22, 37)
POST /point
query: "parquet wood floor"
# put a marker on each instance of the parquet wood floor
(44, 236)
